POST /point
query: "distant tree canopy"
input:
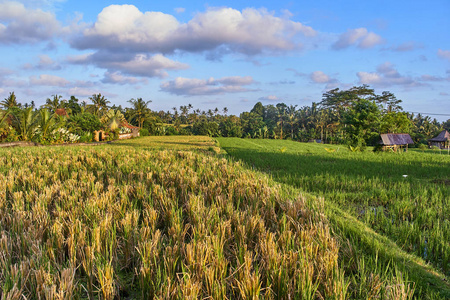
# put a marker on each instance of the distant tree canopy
(355, 117)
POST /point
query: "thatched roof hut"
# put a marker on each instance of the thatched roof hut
(441, 140)
(395, 141)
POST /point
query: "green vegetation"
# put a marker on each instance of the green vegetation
(385, 220)
(355, 117)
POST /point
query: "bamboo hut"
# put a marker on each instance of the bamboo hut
(442, 140)
(395, 141)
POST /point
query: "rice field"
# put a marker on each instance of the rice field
(121, 221)
(156, 218)
(404, 197)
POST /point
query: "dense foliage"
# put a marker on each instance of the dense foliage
(354, 117)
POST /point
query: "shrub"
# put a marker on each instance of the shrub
(144, 132)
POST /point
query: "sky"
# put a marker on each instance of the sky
(226, 53)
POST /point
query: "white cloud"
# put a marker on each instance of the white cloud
(49, 80)
(251, 31)
(118, 78)
(138, 64)
(385, 76)
(45, 63)
(84, 92)
(445, 54)
(211, 86)
(20, 25)
(360, 37)
(320, 77)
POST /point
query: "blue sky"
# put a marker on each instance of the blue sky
(226, 53)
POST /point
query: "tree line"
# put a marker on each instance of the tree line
(355, 117)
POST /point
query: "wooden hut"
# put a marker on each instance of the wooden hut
(395, 141)
(442, 140)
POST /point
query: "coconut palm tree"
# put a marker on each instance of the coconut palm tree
(292, 118)
(25, 122)
(99, 104)
(53, 103)
(10, 101)
(139, 112)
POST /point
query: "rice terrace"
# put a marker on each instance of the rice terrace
(191, 217)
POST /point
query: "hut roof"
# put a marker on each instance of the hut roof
(127, 125)
(61, 112)
(396, 139)
(442, 137)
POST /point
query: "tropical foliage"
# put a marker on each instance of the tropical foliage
(354, 117)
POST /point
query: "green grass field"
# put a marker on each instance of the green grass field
(173, 218)
(368, 191)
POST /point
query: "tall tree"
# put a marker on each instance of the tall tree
(362, 120)
(10, 101)
(99, 104)
(281, 110)
(139, 112)
(54, 103)
(292, 118)
(388, 102)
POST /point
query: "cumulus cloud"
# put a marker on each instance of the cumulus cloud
(45, 63)
(360, 37)
(211, 86)
(138, 64)
(321, 77)
(20, 25)
(118, 78)
(444, 54)
(385, 76)
(249, 31)
(49, 80)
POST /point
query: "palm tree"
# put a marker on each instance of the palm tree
(25, 123)
(10, 101)
(54, 103)
(112, 119)
(3, 117)
(100, 104)
(140, 112)
(48, 122)
(281, 113)
(292, 118)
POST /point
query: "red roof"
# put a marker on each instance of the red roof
(127, 125)
(61, 112)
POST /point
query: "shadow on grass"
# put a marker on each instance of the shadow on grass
(302, 161)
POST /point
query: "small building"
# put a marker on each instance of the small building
(100, 135)
(442, 140)
(395, 141)
(127, 131)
